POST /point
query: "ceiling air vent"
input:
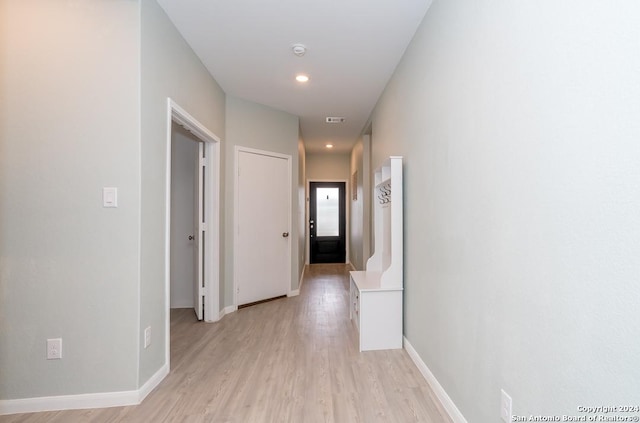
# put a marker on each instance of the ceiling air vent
(335, 120)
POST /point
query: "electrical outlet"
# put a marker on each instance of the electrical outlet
(54, 349)
(505, 406)
(147, 336)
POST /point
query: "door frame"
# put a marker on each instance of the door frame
(236, 212)
(347, 211)
(211, 142)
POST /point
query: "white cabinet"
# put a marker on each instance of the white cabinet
(376, 293)
(376, 311)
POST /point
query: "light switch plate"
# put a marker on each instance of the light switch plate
(109, 197)
(147, 336)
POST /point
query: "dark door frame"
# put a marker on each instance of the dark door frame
(347, 211)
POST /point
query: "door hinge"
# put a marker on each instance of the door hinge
(203, 227)
(203, 162)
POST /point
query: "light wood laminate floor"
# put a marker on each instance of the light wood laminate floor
(290, 360)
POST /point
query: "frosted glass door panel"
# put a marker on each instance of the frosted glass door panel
(328, 212)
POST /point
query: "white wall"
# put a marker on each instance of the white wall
(69, 125)
(256, 126)
(169, 69)
(519, 126)
(184, 154)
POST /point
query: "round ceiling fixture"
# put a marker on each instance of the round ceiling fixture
(329, 145)
(302, 78)
(299, 49)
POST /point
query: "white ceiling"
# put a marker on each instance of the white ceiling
(353, 47)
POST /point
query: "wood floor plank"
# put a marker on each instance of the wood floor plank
(289, 360)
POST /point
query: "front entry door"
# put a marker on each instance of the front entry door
(327, 222)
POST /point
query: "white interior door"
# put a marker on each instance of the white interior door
(263, 254)
(201, 231)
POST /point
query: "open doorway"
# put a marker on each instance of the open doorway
(206, 212)
(185, 200)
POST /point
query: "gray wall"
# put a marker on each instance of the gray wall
(169, 69)
(328, 166)
(519, 127)
(69, 126)
(360, 211)
(256, 126)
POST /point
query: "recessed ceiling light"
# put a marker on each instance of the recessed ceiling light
(302, 78)
(329, 145)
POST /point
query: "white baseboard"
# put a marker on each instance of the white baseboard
(445, 400)
(224, 312)
(153, 382)
(68, 402)
(182, 304)
(228, 310)
(83, 401)
(293, 293)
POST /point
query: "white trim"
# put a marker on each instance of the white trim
(152, 383)
(68, 402)
(293, 293)
(228, 310)
(83, 401)
(236, 211)
(445, 400)
(177, 114)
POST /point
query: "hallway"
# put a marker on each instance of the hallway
(289, 360)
